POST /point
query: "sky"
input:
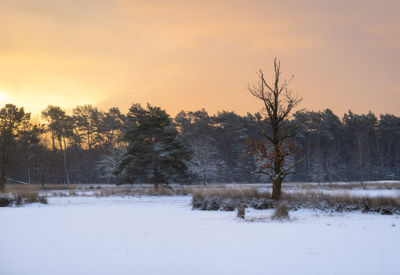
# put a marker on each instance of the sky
(188, 55)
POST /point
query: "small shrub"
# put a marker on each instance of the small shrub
(7, 199)
(42, 199)
(227, 199)
(241, 210)
(281, 212)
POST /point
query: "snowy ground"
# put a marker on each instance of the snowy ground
(162, 235)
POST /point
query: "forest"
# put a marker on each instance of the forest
(148, 145)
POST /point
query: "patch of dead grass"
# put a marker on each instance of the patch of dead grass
(25, 193)
(281, 212)
(229, 199)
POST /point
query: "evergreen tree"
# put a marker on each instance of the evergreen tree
(16, 134)
(60, 127)
(388, 133)
(155, 153)
(361, 133)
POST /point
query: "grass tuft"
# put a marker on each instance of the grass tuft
(241, 211)
(281, 212)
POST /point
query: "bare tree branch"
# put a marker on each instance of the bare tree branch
(279, 103)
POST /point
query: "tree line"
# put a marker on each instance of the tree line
(147, 145)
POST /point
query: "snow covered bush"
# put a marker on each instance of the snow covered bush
(21, 195)
(109, 163)
(7, 199)
(241, 211)
(229, 199)
(205, 159)
(281, 212)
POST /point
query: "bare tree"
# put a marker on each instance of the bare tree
(277, 143)
(205, 158)
(109, 163)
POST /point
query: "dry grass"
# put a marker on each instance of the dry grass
(25, 194)
(383, 185)
(22, 188)
(315, 199)
(229, 199)
(143, 191)
(389, 185)
(281, 212)
(97, 190)
(58, 186)
(231, 193)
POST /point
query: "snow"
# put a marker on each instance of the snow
(162, 235)
(365, 193)
(297, 188)
(355, 192)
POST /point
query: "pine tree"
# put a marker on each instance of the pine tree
(16, 135)
(155, 153)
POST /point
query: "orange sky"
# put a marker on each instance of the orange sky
(192, 54)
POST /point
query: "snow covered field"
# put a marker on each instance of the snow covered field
(162, 235)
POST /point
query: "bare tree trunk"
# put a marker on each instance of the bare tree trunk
(204, 177)
(156, 177)
(277, 180)
(65, 161)
(53, 142)
(360, 160)
(42, 177)
(276, 188)
(397, 160)
(319, 159)
(3, 165)
(156, 186)
(2, 183)
(29, 176)
(308, 159)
